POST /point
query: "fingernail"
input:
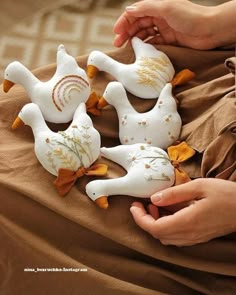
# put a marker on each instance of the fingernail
(157, 197)
(130, 7)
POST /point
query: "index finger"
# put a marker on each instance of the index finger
(142, 218)
(141, 28)
(123, 23)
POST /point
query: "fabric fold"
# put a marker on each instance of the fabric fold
(38, 228)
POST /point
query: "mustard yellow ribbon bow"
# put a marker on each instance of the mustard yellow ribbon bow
(66, 178)
(182, 77)
(178, 154)
(91, 104)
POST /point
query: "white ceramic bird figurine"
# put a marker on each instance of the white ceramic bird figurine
(57, 98)
(66, 154)
(159, 127)
(149, 170)
(144, 78)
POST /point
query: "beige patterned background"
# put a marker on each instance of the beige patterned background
(30, 31)
(81, 27)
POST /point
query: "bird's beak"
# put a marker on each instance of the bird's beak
(102, 103)
(7, 85)
(91, 71)
(102, 202)
(17, 123)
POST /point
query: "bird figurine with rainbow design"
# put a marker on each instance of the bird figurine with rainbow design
(59, 97)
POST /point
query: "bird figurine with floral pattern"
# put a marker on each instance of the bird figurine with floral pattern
(149, 170)
(159, 126)
(67, 154)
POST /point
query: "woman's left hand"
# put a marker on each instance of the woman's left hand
(202, 209)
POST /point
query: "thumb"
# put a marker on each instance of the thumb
(180, 193)
(145, 8)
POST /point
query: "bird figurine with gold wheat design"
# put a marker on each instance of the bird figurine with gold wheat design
(67, 154)
(145, 78)
(149, 169)
(58, 97)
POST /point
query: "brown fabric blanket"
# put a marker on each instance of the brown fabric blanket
(40, 230)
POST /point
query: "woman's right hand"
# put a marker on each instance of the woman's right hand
(180, 23)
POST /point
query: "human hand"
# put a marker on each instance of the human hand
(210, 212)
(179, 22)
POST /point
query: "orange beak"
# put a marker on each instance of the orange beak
(17, 123)
(102, 202)
(92, 71)
(102, 103)
(7, 85)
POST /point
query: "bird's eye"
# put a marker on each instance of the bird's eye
(94, 194)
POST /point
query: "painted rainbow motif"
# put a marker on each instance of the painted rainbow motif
(61, 94)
